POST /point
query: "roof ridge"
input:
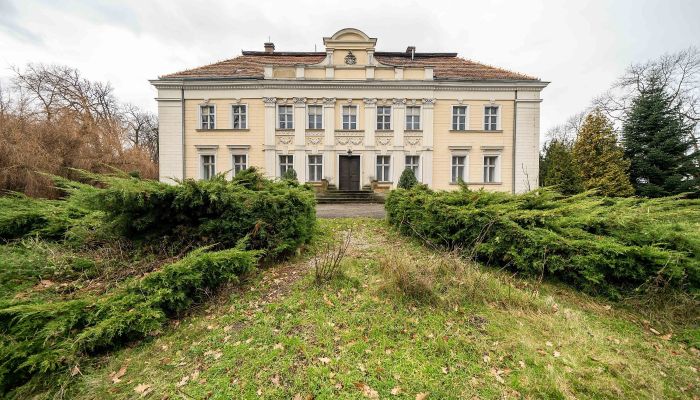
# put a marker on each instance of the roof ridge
(282, 53)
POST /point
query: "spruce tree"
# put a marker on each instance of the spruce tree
(558, 168)
(599, 159)
(656, 140)
(407, 179)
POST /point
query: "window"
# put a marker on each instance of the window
(459, 165)
(239, 116)
(491, 118)
(285, 117)
(315, 168)
(208, 166)
(240, 162)
(286, 162)
(413, 118)
(315, 117)
(208, 117)
(383, 118)
(490, 168)
(349, 117)
(383, 163)
(459, 118)
(413, 163)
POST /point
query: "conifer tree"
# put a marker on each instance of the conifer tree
(407, 179)
(599, 159)
(557, 168)
(656, 140)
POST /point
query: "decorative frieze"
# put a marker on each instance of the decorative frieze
(383, 141)
(299, 101)
(369, 101)
(345, 140)
(329, 101)
(270, 101)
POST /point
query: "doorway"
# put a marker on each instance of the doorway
(349, 171)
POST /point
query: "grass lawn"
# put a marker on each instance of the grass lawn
(370, 333)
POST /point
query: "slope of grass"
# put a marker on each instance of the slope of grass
(399, 324)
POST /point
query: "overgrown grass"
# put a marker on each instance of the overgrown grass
(481, 333)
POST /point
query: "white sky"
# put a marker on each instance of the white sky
(579, 46)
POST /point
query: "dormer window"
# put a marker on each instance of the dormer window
(350, 59)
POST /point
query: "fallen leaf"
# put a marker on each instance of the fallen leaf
(654, 331)
(396, 391)
(366, 390)
(521, 363)
(183, 381)
(444, 370)
(75, 371)
(549, 344)
(667, 336)
(275, 380)
(278, 346)
(142, 389)
(422, 396)
(556, 353)
(324, 360)
(214, 353)
(116, 376)
(487, 359)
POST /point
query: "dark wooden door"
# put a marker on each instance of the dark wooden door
(349, 170)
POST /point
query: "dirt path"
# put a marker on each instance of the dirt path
(369, 210)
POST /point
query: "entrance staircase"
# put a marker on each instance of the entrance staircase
(334, 196)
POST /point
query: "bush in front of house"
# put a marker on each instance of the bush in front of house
(407, 179)
(602, 245)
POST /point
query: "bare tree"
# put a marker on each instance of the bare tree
(677, 73)
(141, 129)
(568, 131)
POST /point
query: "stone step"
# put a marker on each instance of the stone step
(349, 201)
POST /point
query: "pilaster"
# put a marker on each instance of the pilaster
(399, 124)
(270, 126)
(300, 137)
(329, 138)
(368, 158)
(428, 135)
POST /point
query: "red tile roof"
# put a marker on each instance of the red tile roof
(447, 66)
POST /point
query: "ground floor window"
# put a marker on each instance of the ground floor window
(286, 162)
(240, 162)
(208, 166)
(315, 168)
(459, 165)
(413, 163)
(383, 168)
(490, 168)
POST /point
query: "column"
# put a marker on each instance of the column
(300, 137)
(329, 139)
(270, 126)
(398, 158)
(368, 155)
(427, 154)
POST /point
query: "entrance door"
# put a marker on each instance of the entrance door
(349, 169)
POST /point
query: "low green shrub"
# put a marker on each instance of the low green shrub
(603, 245)
(42, 338)
(407, 179)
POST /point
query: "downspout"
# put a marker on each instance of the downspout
(515, 121)
(182, 129)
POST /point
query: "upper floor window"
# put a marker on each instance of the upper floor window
(490, 168)
(383, 118)
(315, 117)
(413, 118)
(413, 163)
(239, 116)
(207, 166)
(285, 117)
(383, 168)
(459, 167)
(207, 117)
(491, 118)
(459, 118)
(240, 162)
(315, 168)
(349, 117)
(286, 163)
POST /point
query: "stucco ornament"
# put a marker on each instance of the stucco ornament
(350, 59)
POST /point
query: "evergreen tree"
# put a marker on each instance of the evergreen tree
(290, 175)
(599, 159)
(656, 140)
(558, 168)
(407, 179)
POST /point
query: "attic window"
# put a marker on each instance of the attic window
(350, 59)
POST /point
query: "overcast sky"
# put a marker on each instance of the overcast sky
(579, 46)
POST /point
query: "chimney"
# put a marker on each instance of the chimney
(411, 50)
(269, 47)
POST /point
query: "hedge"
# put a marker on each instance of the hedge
(602, 245)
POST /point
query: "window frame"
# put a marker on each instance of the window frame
(342, 117)
(455, 115)
(317, 165)
(233, 163)
(244, 116)
(496, 178)
(417, 171)
(419, 116)
(203, 166)
(308, 116)
(454, 179)
(211, 125)
(289, 124)
(498, 117)
(386, 172)
(385, 117)
(287, 165)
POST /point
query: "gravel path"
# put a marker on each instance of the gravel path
(370, 210)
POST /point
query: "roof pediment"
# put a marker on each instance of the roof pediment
(349, 37)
